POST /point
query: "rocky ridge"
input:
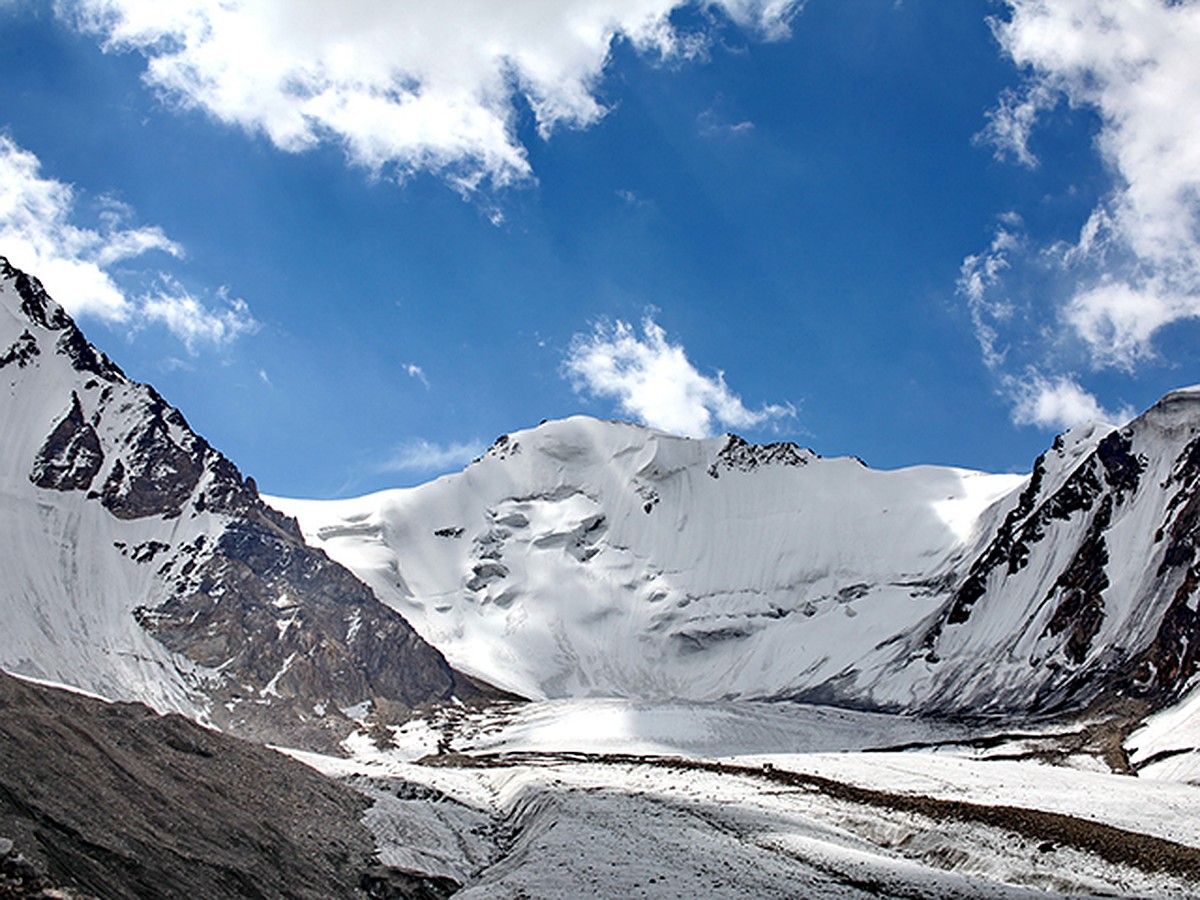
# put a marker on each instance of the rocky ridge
(251, 629)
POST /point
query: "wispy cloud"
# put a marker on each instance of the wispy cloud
(1011, 121)
(192, 322)
(631, 198)
(423, 85)
(39, 233)
(423, 457)
(415, 371)
(653, 381)
(712, 124)
(1099, 301)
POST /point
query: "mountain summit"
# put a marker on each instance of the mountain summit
(597, 558)
(141, 565)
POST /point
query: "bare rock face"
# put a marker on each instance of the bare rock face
(279, 639)
(300, 632)
(1173, 657)
(161, 461)
(113, 801)
(1109, 473)
(71, 456)
(738, 455)
(22, 351)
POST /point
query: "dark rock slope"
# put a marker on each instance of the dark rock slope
(114, 801)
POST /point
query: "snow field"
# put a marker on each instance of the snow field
(588, 558)
(565, 812)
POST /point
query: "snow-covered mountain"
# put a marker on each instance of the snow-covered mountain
(139, 564)
(596, 558)
(637, 577)
(579, 558)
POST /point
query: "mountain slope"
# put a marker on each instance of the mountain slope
(586, 557)
(141, 565)
(1091, 581)
(578, 558)
(114, 801)
(592, 558)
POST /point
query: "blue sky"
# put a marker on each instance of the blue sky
(354, 242)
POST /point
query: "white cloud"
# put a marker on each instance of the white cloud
(1100, 300)
(712, 124)
(1059, 403)
(653, 381)
(38, 234)
(192, 322)
(419, 85)
(1134, 63)
(631, 198)
(415, 371)
(1118, 319)
(422, 456)
(1010, 124)
(979, 276)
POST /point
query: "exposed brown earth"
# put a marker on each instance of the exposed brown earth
(114, 801)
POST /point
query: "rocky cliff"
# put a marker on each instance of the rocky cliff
(142, 565)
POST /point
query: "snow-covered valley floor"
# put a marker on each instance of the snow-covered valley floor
(616, 798)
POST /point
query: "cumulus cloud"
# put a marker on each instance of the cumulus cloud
(423, 85)
(1133, 62)
(1133, 269)
(38, 233)
(653, 381)
(1059, 403)
(422, 457)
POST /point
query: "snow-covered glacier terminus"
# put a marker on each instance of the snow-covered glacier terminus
(585, 557)
(139, 564)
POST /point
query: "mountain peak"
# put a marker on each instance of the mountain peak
(28, 304)
(35, 304)
(1179, 409)
(586, 557)
(145, 567)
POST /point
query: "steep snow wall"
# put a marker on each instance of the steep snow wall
(596, 558)
(587, 557)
